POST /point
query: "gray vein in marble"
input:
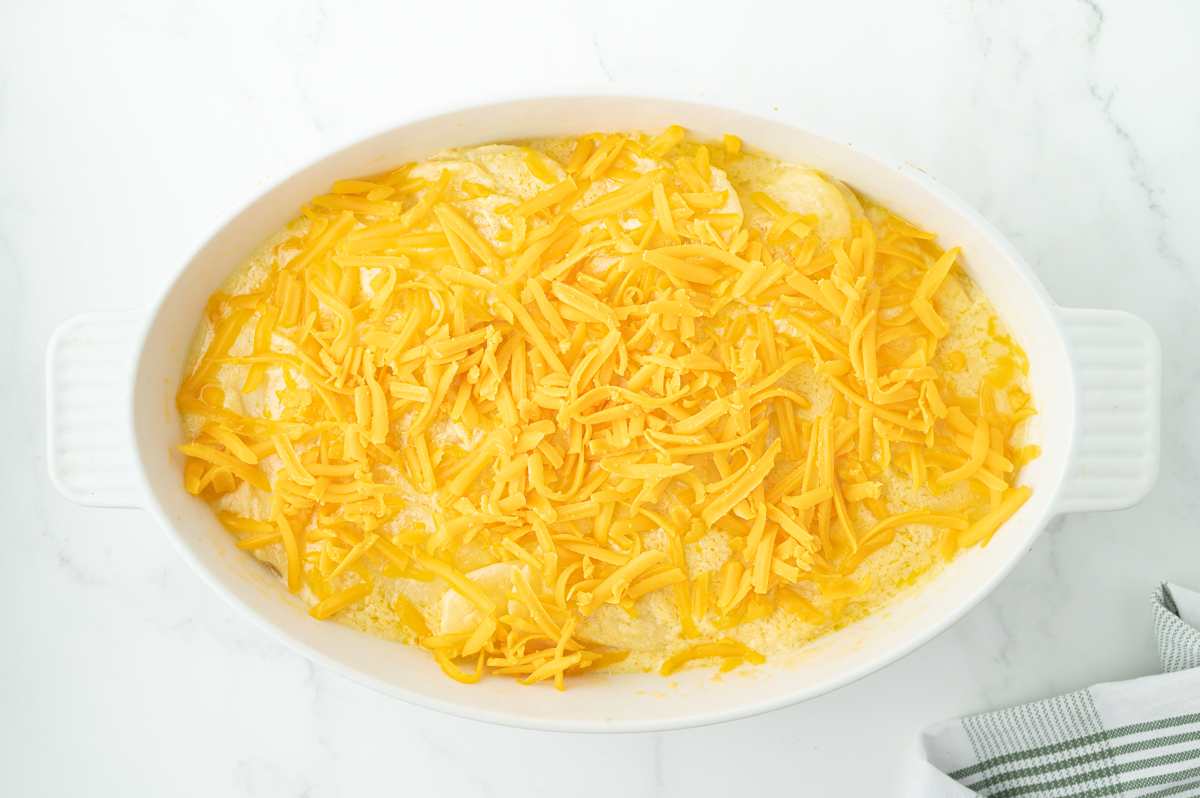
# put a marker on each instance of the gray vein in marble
(1097, 14)
(600, 58)
(657, 763)
(1137, 169)
(313, 30)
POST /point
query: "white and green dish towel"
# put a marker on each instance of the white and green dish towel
(1135, 739)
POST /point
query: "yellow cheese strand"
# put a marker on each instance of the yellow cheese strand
(605, 361)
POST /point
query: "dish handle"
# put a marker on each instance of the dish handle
(1116, 370)
(89, 436)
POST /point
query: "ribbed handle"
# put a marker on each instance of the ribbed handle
(89, 374)
(1116, 367)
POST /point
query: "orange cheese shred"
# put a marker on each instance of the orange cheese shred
(547, 397)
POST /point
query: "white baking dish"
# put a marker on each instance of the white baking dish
(113, 426)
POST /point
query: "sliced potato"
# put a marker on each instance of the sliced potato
(460, 616)
(797, 189)
(720, 182)
(857, 212)
(501, 168)
(610, 625)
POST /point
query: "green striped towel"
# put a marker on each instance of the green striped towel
(1135, 739)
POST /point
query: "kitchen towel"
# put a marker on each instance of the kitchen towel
(1134, 739)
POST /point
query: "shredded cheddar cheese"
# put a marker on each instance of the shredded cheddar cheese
(544, 411)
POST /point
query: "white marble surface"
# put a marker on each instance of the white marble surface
(126, 127)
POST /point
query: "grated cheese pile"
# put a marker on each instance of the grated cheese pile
(537, 407)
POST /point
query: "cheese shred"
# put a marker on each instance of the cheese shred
(577, 388)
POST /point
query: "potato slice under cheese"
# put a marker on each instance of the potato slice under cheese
(460, 616)
(798, 189)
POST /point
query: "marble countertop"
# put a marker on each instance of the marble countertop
(126, 127)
